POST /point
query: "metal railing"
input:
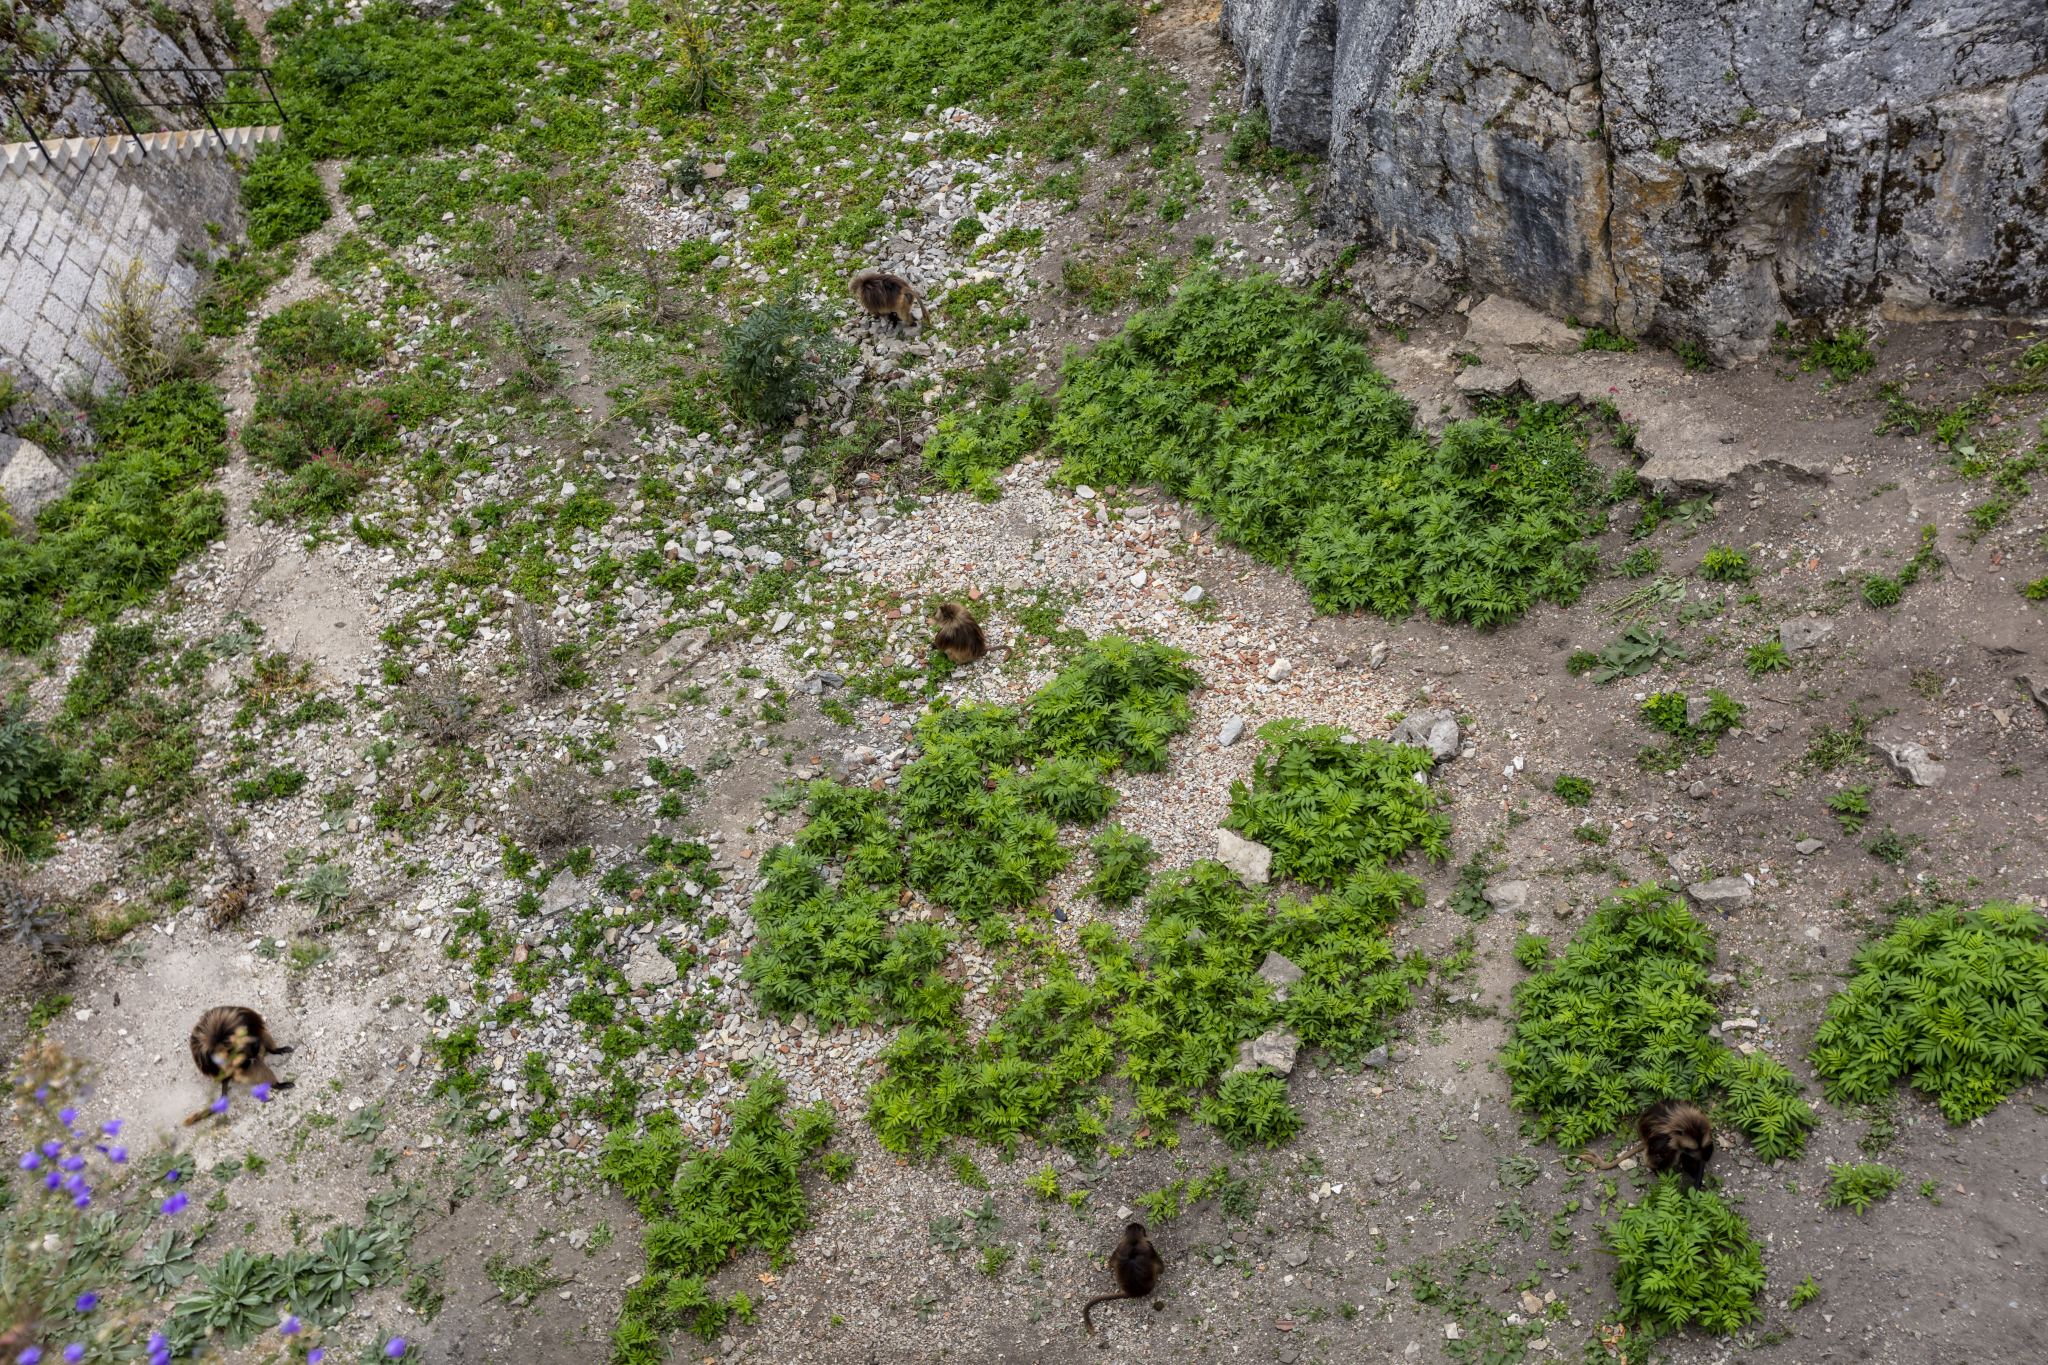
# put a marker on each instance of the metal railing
(113, 88)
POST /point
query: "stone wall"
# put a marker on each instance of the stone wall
(1693, 173)
(63, 232)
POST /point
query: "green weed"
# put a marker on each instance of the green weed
(776, 358)
(1326, 807)
(1641, 562)
(1851, 806)
(1860, 1185)
(1768, 657)
(1880, 591)
(1619, 1021)
(283, 197)
(1635, 651)
(1573, 791)
(968, 447)
(1682, 1255)
(1725, 564)
(1845, 355)
(1953, 1000)
(1806, 1292)
(1264, 409)
(1122, 866)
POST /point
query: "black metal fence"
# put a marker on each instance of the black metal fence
(112, 86)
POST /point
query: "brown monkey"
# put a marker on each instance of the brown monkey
(229, 1044)
(884, 295)
(1672, 1135)
(1136, 1267)
(959, 637)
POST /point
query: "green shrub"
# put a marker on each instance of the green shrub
(1532, 950)
(1851, 806)
(1590, 834)
(775, 359)
(1846, 355)
(1880, 591)
(1326, 807)
(314, 335)
(2036, 591)
(1581, 661)
(130, 517)
(1635, 651)
(1682, 1255)
(747, 1194)
(1956, 1001)
(282, 194)
(1251, 1107)
(1119, 700)
(1122, 868)
(1263, 408)
(1768, 657)
(1619, 1022)
(271, 783)
(1860, 1185)
(968, 447)
(1725, 564)
(1641, 562)
(1573, 791)
(1600, 339)
(1666, 711)
(32, 780)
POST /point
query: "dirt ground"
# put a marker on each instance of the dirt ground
(1411, 1162)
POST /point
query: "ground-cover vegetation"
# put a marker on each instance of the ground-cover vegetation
(136, 511)
(1619, 1021)
(1328, 803)
(1955, 1001)
(1264, 409)
(1682, 1256)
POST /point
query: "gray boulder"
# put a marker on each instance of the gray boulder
(1274, 1048)
(1279, 973)
(1502, 326)
(1436, 731)
(1911, 763)
(1506, 895)
(1722, 893)
(1251, 861)
(647, 967)
(1803, 632)
(563, 893)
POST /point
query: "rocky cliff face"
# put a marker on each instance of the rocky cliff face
(1695, 173)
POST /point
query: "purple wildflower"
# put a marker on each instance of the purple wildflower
(31, 1160)
(30, 1356)
(75, 1352)
(316, 1355)
(394, 1348)
(219, 1106)
(118, 1154)
(289, 1327)
(112, 1127)
(175, 1204)
(73, 1163)
(67, 1116)
(261, 1092)
(87, 1302)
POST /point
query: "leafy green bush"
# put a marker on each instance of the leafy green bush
(1641, 562)
(1725, 564)
(774, 360)
(747, 1194)
(1573, 791)
(1532, 950)
(1768, 657)
(2036, 591)
(1251, 1107)
(1122, 862)
(1120, 701)
(968, 447)
(131, 516)
(1619, 1022)
(1860, 1185)
(1635, 651)
(1851, 806)
(1880, 591)
(1956, 1000)
(1844, 355)
(1326, 807)
(1683, 1255)
(1581, 661)
(282, 194)
(271, 783)
(315, 335)
(1262, 408)
(32, 780)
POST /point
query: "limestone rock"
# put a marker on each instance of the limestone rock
(1436, 731)
(563, 893)
(1722, 893)
(1803, 632)
(29, 478)
(1911, 762)
(1502, 326)
(1488, 380)
(1274, 1048)
(1232, 731)
(1632, 185)
(1279, 973)
(1696, 709)
(647, 967)
(1377, 1060)
(1506, 895)
(1251, 861)
(1806, 848)
(1294, 1253)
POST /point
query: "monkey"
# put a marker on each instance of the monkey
(1672, 1135)
(959, 637)
(885, 295)
(229, 1044)
(1136, 1267)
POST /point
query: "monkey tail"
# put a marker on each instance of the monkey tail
(1597, 1164)
(1089, 1307)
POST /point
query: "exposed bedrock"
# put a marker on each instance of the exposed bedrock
(1689, 171)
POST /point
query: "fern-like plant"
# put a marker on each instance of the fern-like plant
(1957, 1002)
(1249, 1107)
(1683, 1255)
(1326, 806)
(1860, 1185)
(1122, 865)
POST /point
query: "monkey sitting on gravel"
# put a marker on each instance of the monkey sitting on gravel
(1136, 1267)
(882, 295)
(229, 1044)
(959, 637)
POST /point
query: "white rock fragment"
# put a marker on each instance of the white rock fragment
(1232, 731)
(1251, 861)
